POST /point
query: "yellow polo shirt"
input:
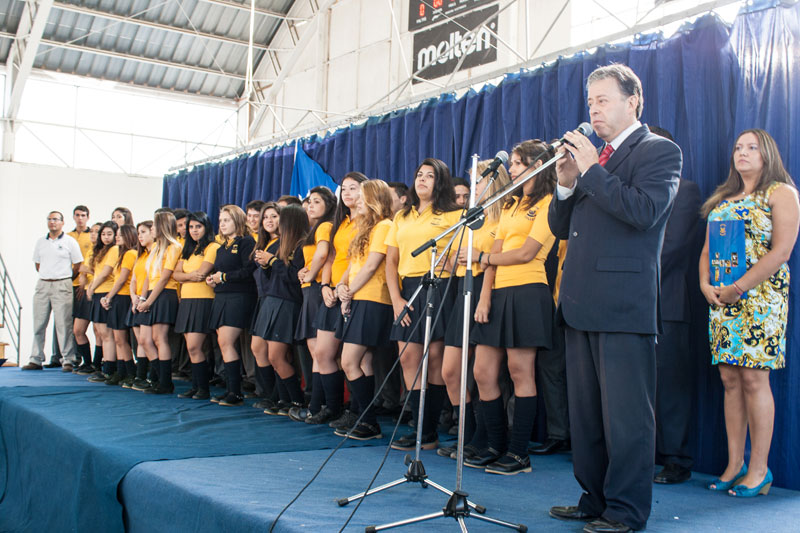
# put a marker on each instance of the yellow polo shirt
(168, 261)
(140, 271)
(110, 259)
(323, 233)
(375, 290)
(414, 229)
(199, 289)
(482, 240)
(85, 242)
(515, 226)
(128, 260)
(341, 242)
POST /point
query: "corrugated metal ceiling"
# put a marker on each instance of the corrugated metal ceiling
(98, 39)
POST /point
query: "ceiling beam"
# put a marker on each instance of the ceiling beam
(309, 33)
(73, 8)
(258, 10)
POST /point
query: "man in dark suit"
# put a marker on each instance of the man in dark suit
(674, 360)
(613, 209)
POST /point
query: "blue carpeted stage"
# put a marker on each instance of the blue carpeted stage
(76, 456)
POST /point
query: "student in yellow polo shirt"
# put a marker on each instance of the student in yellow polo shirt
(326, 348)
(366, 304)
(321, 205)
(118, 302)
(102, 283)
(520, 318)
(197, 298)
(431, 211)
(82, 234)
(482, 240)
(134, 320)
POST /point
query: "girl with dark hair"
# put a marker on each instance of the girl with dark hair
(482, 240)
(122, 216)
(432, 210)
(321, 205)
(159, 299)
(328, 377)
(118, 302)
(194, 311)
(82, 312)
(102, 283)
(519, 317)
(266, 247)
(134, 320)
(280, 309)
(366, 303)
(234, 296)
(748, 316)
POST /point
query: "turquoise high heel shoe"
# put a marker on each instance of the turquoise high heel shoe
(718, 484)
(743, 491)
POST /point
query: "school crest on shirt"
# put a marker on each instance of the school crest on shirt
(531, 214)
(235, 249)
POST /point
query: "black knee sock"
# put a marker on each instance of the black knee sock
(130, 368)
(85, 353)
(112, 367)
(354, 407)
(265, 376)
(282, 391)
(194, 376)
(479, 438)
(154, 370)
(364, 389)
(524, 417)
(292, 384)
(317, 393)
(494, 416)
(334, 391)
(233, 376)
(165, 373)
(200, 371)
(98, 356)
(142, 366)
(434, 399)
(122, 369)
(469, 421)
(413, 404)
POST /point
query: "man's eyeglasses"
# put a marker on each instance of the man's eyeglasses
(54, 220)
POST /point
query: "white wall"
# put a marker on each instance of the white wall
(28, 192)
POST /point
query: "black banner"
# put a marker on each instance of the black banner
(438, 50)
(422, 13)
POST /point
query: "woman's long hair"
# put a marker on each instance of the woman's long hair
(377, 198)
(772, 171)
(330, 205)
(166, 233)
(264, 237)
(342, 211)
(239, 218)
(544, 183)
(502, 179)
(100, 249)
(190, 246)
(444, 193)
(293, 228)
(126, 214)
(149, 225)
(130, 241)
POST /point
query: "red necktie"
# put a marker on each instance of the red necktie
(605, 155)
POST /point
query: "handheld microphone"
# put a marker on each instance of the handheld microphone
(500, 159)
(585, 129)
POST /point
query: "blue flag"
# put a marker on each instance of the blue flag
(307, 174)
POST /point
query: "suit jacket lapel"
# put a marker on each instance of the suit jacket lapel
(618, 156)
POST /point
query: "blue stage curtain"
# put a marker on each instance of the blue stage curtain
(704, 84)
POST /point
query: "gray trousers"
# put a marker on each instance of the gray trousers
(55, 297)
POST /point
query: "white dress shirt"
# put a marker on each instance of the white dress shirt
(56, 256)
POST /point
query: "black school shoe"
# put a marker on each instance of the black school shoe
(279, 409)
(114, 379)
(188, 394)
(483, 458)
(447, 451)
(509, 464)
(161, 389)
(409, 442)
(145, 385)
(85, 369)
(363, 431)
(232, 400)
(264, 404)
(298, 413)
(323, 416)
(98, 377)
(346, 421)
(201, 394)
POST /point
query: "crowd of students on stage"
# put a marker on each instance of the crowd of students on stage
(330, 275)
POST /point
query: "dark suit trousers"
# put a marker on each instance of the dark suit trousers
(551, 382)
(611, 383)
(674, 394)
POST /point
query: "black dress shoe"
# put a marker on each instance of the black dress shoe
(188, 394)
(201, 394)
(549, 447)
(483, 458)
(509, 464)
(232, 400)
(447, 451)
(409, 442)
(324, 416)
(571, 512)
(672, 473)
(605, 525)
(53, 364)
(161, 389)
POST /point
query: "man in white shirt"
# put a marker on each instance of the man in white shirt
(57, 257)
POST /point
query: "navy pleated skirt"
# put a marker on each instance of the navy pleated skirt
(312, 299)
(232, 309)
(163, 311)
(118, 314)
(99, 313)
(440, 300)
(81, 307)
(276, 320)
(368, 324)
(455, 321)
(194, 315)
(520, 317)
(328, 317)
